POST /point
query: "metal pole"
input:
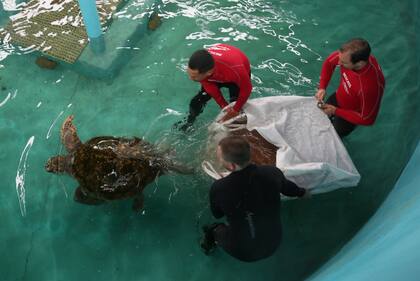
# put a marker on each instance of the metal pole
(92, 25)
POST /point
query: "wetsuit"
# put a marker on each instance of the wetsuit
(231, 70)
(358, 96)
(250, 200)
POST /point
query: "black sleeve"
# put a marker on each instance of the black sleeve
(287, 187)
(214, 204)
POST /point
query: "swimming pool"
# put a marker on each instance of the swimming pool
(286, 41)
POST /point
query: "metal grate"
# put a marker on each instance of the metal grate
(55, 27)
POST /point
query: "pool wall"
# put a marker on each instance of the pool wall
(387, 247)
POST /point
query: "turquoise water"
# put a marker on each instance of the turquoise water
(58, 239)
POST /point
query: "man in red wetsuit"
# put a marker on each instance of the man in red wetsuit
(358, 97)
(219, 66)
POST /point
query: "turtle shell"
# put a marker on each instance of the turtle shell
(111, 168)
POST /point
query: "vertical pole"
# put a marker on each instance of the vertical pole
(92, 25)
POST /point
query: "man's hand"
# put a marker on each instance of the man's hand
(320, 94)
(183, 126)
(230, 113)
(329, 109)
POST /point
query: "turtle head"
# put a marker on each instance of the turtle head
(56, 164)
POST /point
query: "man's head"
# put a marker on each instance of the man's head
(56, 164)
(354, 54)
(234, 152)
(200, 65)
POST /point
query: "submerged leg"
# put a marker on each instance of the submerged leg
(197, 104)
(208, 241)
(343, 127)
(82, 198)
(138, 202)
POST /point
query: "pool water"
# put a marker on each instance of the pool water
(45, 235)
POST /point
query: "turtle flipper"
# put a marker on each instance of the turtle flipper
(138, 202)
(174, 166)
(82, 198)
(69, 136)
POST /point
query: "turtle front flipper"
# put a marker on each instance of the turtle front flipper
(69, 136)
(138, 202)
(82, 198)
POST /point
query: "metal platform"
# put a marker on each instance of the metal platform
(55, 27)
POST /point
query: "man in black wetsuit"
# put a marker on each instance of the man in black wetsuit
(250, 199)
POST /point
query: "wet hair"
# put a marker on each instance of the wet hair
(201, 60)
(235, 150)
(359, 49)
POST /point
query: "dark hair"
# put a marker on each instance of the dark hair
(201, 60)
(359, 49)
(236, 150)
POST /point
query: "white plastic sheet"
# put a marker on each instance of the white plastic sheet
(310, 153)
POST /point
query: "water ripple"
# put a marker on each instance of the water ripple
(5, 100)
(291, 73)
(52, 125)
(240, 20)
(20, 176)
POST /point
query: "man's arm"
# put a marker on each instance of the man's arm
(290, 189)
(365, 118)
(370, 99)
(245, 88)
(327, 70)
(214, 206)
(287, 187)
(215, 93)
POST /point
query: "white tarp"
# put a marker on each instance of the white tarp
(310, 153)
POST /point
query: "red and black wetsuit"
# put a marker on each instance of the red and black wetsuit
(359, 94)
(231, 70)
(230, 66)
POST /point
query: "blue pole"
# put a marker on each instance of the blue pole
(92, 24)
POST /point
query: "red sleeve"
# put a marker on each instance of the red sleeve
(355, 117)
(215, 93)
(370, 107)
(245, 88)
(327, 70)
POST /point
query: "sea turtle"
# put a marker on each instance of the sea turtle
(262, 151)
(110, 168)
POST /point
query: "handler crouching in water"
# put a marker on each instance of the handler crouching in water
(249, 198)
(358, 97)
(219, 66)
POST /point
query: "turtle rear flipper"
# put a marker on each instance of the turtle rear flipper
(69, 136)
(138, 202)
(82, 198)
(180, 168)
